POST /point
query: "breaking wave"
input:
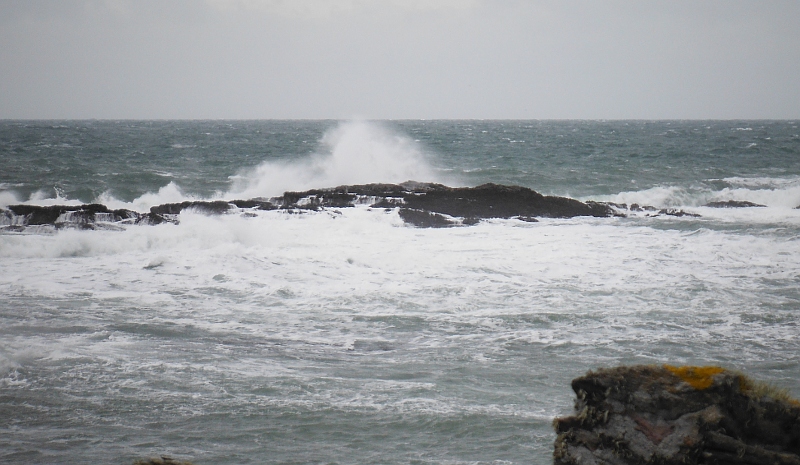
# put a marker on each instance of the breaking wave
(772, 192)
(356, 152)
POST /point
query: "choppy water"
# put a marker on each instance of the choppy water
(352, 338)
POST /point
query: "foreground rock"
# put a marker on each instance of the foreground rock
(677, 415)
(419, 204)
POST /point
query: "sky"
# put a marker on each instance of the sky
(399, 59)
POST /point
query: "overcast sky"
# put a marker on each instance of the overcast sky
(394, 59)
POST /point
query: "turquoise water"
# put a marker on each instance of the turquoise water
(349, 337)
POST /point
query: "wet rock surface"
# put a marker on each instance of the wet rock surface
(424, 219)
(77, 214)
(424, 205)
(89, 216)
(677, 415)
(496, 201)
(467, 203)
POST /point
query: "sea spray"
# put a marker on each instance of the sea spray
(354, 152)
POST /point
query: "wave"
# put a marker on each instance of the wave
(353, 152)
(357, 152)
(171, 193)
(783, 193)
(41, 197)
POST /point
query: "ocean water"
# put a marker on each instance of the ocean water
(349, 337)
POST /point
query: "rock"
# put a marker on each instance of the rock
(209, 208)
(424, 219)
(66, 215)
(676, 212)
(258, 204)
(733, 204)
(496, 201)
(677, 415)
(427, 205)
(471, 203)
(638, 208)
(151, 219)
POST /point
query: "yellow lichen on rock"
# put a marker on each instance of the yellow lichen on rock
(697, 377)
(677, 415)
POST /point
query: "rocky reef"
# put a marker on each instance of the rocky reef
(677, 415)
(419, 204)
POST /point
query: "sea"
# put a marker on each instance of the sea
(350, 337)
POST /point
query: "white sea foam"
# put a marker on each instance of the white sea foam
(321, 285)
(45, 198)
(358, 314)
(364, 253)
(762, 182)
(171, 193)
(780, 193)
(658, 196)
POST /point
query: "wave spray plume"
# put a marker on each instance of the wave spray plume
(357, 152)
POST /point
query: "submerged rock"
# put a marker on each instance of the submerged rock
(677, 415)
(733, 204)
(623, 210)
(676, 212)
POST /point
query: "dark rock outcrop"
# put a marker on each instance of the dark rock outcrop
(496, 201)
(424, 219)
(485, 201)
(88, 213)
(420, 204)
(211, 207)
(65, 216)
(677, 415)
(733, 204)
